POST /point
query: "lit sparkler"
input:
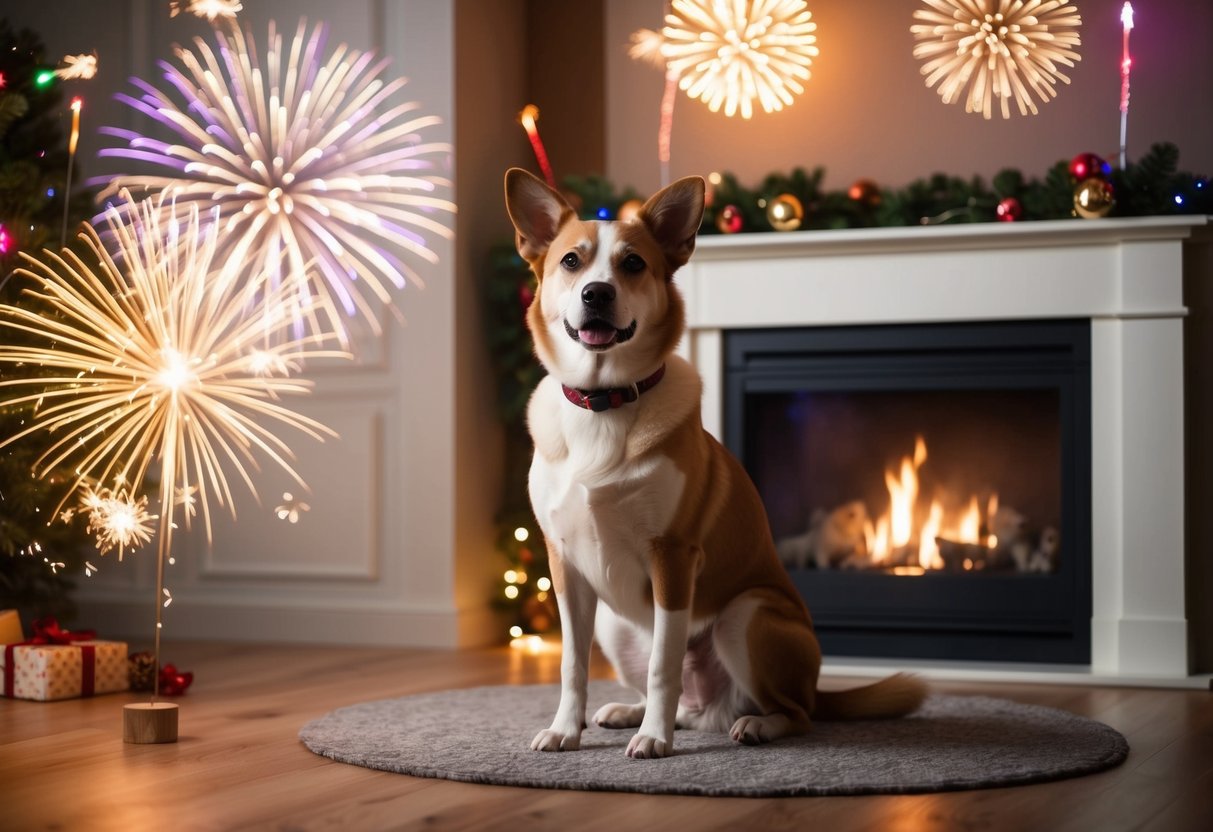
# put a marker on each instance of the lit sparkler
(320, 175)
(1126, 63)
(71, 159)
(987, 50)
(528, 118)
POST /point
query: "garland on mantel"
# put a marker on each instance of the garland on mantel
(1153, 185)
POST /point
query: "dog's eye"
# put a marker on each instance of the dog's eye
(570, 261)
(633, 263)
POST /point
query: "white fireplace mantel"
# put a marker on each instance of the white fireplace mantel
(1125, 276)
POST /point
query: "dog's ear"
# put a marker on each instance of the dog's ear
(536, 210)
(673, 215)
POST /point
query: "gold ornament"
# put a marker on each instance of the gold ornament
(1093, 198)
(785, 212)
(630, 210)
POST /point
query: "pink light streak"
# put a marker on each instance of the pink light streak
(1126, 63)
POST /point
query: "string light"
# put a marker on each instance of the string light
(521, 534)
(43, 78)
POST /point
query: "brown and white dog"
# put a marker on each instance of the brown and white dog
(652, 527)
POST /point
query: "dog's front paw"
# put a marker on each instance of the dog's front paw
(644, 747)
(616, 715)
(550, 740)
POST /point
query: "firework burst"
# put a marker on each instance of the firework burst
(996, 50)
(149, 356)
(77, 66)
(729, 53)
(319, 172)
(117, 519)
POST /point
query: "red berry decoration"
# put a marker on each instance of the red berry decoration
(1009, 210)
(1088, 165)
(866, 193)
(728, 221)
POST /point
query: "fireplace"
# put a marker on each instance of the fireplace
(927, 485)
(1142, 289)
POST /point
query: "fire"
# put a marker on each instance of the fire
(906, 536)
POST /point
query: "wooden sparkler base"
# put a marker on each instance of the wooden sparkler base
(149, 722)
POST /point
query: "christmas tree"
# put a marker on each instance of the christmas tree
(39, 554)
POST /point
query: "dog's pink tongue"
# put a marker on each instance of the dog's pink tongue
(596, 337)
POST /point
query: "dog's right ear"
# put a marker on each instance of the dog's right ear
(536, 210)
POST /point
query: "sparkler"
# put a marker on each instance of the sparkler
(1004, 48)
(647, 46)
(320, 175)
(528, 118)
(71, 159)
(1126, 20)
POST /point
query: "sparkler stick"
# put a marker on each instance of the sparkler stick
(667, 124)
(527, 118)
(71, 158)
(1126, 19)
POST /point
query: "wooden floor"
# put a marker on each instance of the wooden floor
(238, 764)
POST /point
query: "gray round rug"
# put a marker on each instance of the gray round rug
(483, 735)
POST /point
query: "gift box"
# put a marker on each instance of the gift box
(10, 627)
(57, 664)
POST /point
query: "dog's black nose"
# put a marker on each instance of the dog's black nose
(597, 295)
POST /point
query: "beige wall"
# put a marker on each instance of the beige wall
(867, 113)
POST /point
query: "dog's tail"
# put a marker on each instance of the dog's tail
(895, 696)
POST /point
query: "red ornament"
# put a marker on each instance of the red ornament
(729, 220)
(1009, 210)
(866, 193)
(1088, 165)
(526, 294)
(174, 682)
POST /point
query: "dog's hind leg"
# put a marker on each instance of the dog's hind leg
(768, 648)
(627, 648)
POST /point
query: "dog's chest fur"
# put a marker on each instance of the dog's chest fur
(598, 504)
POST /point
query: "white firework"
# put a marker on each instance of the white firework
(117, 519)
(77, 66)
(320, 173)
(210, 9)
(996, 50)
(729, 53)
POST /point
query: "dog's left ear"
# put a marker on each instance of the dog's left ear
(673, 215)
(536, 210)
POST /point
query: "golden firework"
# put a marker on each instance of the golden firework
(729, 53)
(988, 50)
(150, 356)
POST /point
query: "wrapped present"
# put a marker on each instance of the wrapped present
(60, 664)
(10, 627)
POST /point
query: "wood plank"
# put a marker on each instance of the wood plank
(239, 763)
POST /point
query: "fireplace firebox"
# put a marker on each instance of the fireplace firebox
(928, 485)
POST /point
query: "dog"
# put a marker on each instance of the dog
(657, 540)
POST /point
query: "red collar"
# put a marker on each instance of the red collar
(612, 397)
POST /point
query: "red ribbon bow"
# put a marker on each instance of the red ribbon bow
(48, 631)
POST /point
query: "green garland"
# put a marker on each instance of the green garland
(1147, 187)
(1151, 186)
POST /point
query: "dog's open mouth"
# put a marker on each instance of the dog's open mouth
(597, 334)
